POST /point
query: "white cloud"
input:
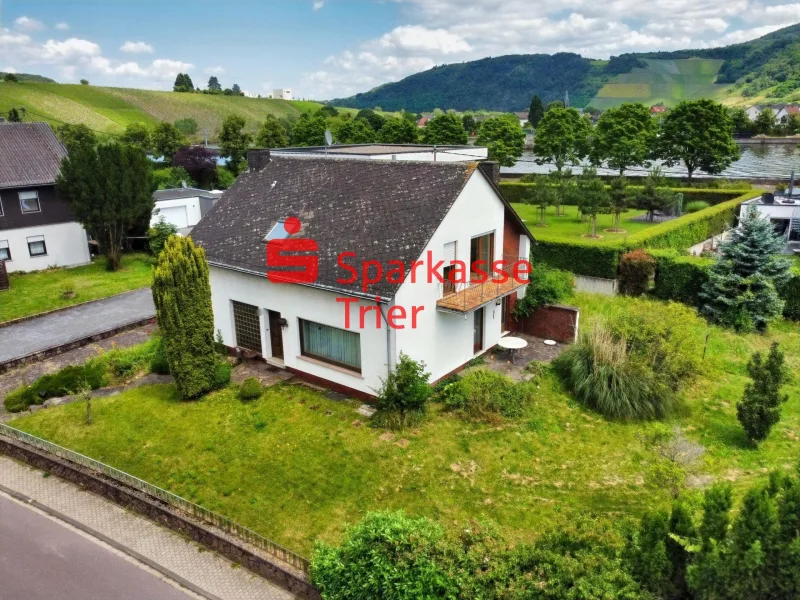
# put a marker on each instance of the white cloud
(214, 70)
(62, 26)
(137, 48)
(318, 5)
(9, 70)
(417, 38)
(28, 24)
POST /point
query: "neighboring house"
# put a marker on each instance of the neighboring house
(781, 111)
(183, 207)
(783, 210)
(37, 229)
(424, 152)
(658, 109)
(282, 94)
(754, 111)
(382, 211)
(422, 122)
(523, 119)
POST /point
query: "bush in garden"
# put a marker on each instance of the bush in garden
(158, 235)
(386, 555)
(695, 206)
(403, 397)
(250, 389)
(545, 286)
(65, 382)
(158, 362)
(221, 376)
(635, 271)
(485, 395)
(182, 296)
(760, 408)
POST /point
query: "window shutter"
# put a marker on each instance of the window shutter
(449, 252)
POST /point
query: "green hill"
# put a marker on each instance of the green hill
(29, 77)
(767, 67)
(110, 110)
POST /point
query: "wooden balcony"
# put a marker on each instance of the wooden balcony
(467, 297)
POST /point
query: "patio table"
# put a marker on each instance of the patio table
(512, 345)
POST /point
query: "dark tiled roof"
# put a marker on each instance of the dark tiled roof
(30, 154)
(176, 193)
(379, 210)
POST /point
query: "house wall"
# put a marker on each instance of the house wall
(66, 245)
(53, 208)
(774, 211)
(295, 302)
(444, 341)
(192, 205)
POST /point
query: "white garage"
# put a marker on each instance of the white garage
(176, 215)
(182, 207)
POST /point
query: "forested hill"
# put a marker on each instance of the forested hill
(767, 67)
(27, 77)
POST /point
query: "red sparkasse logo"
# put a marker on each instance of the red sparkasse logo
(295, 260)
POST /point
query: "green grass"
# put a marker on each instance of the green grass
(667, 81)
(568, 227)
(296, 466)
(33, 293)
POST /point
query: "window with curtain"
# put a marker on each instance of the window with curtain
(329, 344)
(36, 246)
(29, 202)
(482, 249)
(5, 252)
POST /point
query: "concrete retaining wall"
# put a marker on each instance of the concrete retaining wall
(596, 285)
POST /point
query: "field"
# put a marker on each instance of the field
(663, 81)
(32, 293)
(568, 227)
(296, 466)
(110, 110)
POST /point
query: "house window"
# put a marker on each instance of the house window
(247, 326)
(36, 246)
(5, 251)
(481, 249)
(1, 207)
(329, 344)
(449, 256)
(29, 202)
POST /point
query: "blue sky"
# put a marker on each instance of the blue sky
(328, 48)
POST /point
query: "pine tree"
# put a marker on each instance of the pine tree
(760, 408)
(741, 291)
(705, 576)
(680, 527)
(214, 84)
(182, 296)
(647, 556)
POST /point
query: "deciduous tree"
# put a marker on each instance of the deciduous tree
(504, 138)
(355, 132)
(167, 140)
(618, 196)
(398, 131)
(138, 135)
(764, 123)
(13, 116)
(74, 136)
(698, 133)
(272, 134)
(309, 131)
(655, 196)
(562, 137)
(445, 129)
(234, 142)
(109, 190)
(592, 195)
(624, 137)
(200, 163)
(183, 83)
(214, 84)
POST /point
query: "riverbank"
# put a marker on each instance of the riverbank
(795, 139)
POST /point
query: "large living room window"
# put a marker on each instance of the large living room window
(482, 249)
(329, 344)
(29, 202)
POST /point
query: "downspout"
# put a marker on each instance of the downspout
(388, 339)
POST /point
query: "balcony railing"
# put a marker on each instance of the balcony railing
(471, 295)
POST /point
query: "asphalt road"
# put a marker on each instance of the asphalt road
(41, 559)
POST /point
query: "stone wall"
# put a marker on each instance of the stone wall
(236, 550)
(555, 322)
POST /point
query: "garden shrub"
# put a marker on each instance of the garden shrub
(158, 235)
(600, 374)
(250, 389)
(635, 271)
(790, 292)
(695, 206)
(680, 278)
(67, 381)
(404, 394)
(760, 408)
(485, 395)
(545, 286)
(221, 375)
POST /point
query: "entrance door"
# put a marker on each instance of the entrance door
(505, 315)
(276, 334)
(477, 335)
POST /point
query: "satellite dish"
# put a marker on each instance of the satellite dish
(328, 138)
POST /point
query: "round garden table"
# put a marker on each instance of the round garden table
(513, 345)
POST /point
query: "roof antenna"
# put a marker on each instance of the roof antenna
(328, 140)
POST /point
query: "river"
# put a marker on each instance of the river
(758, 161)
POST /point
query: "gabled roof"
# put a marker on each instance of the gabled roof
(30, 155)
(380, 210)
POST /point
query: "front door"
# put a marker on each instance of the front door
(505, 315)
(477, 335)
(276, 334)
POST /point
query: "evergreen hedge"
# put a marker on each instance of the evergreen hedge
(578, 256)
(515, 191)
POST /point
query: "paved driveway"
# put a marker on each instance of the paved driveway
(72, 324)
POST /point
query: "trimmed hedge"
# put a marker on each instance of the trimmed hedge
(791, 293)
(584, 257)
(515, 191)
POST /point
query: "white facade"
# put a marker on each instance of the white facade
(181, 212)
(65, 245)
(282, 94)
(443, 340)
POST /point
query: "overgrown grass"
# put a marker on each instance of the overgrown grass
(33, 293)
(296, 466)
(569, 227)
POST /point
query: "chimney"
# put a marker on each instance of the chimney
(491, 169)
(257, 159)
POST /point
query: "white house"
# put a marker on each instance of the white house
(37, 228)
(418, 152)
(782, 210)
(346, 324)
(183, 207)
(282, 94)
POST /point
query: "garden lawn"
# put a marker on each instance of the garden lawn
(33, 293)
(296, 466)
(568, 227)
